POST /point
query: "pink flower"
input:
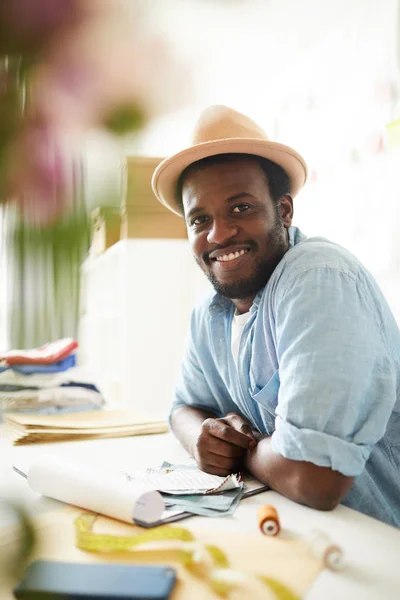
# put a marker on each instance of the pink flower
(86, 64)
(28, 25)
(42, 165)
(102, 66)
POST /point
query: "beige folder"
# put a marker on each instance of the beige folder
(28, 428)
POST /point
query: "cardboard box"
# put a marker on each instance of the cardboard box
(150, 224)
(106, 228)
(143, 216)
(139, 194)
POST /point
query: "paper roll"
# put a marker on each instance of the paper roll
(91, 487)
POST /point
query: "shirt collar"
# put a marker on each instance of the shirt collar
(219, 304)
(295, 236)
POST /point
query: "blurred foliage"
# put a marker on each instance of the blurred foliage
(12, 92)
(47, 263)
(67, 67)
(124, 119)
(19, 543)
(63, 237)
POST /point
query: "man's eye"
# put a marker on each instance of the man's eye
(241, 208)
(199, 220)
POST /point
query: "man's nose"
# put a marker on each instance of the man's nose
(221, 232)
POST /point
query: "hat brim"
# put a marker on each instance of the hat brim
(166, 175)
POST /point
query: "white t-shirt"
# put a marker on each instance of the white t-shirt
(238, 323)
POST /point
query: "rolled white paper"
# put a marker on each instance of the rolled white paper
(96, 489)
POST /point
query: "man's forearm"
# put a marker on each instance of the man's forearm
(186, 423)
(301, 481)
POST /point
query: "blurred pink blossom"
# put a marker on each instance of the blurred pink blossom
(28, 25)
(85, 77)
(82, 62)
(41, 171)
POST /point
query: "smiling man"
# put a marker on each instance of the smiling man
(293, 366)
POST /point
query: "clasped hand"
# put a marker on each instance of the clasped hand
(223, 444)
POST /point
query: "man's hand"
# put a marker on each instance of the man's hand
(223, 443)
(227, 445)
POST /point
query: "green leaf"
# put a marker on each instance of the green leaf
(281, 591)
(26, 541)
(125, 119)
(219, 557)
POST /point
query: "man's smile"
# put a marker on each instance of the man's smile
(228, 258)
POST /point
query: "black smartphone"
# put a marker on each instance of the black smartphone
(48, 580)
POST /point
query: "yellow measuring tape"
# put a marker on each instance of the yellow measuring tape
(205, 561)
(100, 542)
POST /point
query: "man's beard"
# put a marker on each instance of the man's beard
(249, 286)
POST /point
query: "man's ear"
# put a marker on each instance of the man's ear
(285, 207)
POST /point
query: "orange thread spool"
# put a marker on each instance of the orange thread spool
(268, 520)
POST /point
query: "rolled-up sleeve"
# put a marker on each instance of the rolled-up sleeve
(337, 385)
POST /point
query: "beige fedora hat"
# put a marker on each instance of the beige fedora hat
(222, 130)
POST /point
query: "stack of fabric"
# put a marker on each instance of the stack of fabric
(187, 489)
(44, 380)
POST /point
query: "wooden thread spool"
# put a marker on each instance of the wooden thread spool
(268, 520)
(323, 548)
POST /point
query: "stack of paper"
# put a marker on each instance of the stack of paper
(186, 488)
(28, 429)
(188, 479)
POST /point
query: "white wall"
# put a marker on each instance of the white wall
(320, 76)
(138, 300)
(316, 75)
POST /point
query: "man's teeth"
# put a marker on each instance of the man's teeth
(231, 256)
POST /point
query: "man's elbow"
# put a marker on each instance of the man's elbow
(318, 502)
(325, 492)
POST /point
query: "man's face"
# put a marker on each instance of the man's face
(237, 233)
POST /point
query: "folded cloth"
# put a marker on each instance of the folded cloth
(57, 367)
(47, 354)
(49, 393)
(49, 400)
(216, 505)
(73, 376)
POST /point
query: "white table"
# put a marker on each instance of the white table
(371, 548)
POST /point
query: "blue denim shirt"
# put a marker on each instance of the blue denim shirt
(318, 369)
